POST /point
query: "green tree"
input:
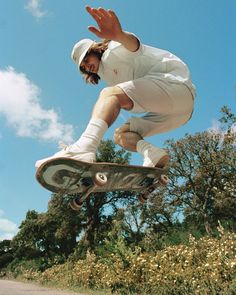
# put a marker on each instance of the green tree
(96, 213)
(203, 178)
(60, 227)
(228, 121)
(26, 243)
(5, 246)
(48, 234)
(6, 253)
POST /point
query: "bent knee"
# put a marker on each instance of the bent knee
(111, 90)
(117, 93)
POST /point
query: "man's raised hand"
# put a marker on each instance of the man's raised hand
(108, 23)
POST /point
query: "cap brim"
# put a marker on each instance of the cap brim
(84, 53)
(82, 57)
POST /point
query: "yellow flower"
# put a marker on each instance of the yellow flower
(233, 264)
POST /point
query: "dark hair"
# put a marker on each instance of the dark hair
(98, 49)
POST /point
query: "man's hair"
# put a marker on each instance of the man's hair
(98, 49)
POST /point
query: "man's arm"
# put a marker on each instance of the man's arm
(109, 27)
(129, 41)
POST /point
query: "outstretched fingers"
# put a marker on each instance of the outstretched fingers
(108, 24)
(100, 14)
(112, 14)
(95, 31)
(104, 13)
(95, 14)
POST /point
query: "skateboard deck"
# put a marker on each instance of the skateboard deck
(73, 177)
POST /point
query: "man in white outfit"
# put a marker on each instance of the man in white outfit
(141, 79)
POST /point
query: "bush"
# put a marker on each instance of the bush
(24, 268)
(206, 266)
(5, 259)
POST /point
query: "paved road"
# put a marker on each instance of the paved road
(16, 288)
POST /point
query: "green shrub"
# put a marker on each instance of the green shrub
(206, 266)
(5, 259)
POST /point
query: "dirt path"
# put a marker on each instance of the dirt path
(17, 288)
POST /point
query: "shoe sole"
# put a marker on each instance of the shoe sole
(163, 162)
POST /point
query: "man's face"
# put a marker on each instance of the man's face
(90, 63)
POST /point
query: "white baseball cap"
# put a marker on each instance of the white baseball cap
(80, 49)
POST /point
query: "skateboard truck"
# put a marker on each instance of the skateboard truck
(143, 196)
(89, 185)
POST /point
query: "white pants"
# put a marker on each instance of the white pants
(168, 105)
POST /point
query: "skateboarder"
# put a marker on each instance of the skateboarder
(141, 79)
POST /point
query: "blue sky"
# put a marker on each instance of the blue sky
(43, 98)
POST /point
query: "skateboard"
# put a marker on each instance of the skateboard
(79, 179)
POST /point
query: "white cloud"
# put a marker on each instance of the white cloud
(20, 106)
(34, 7)
(233, 128)
(215, 127)
(6, 236)
(1, 212)
(219, 132)
(7, 225)
(8, 229)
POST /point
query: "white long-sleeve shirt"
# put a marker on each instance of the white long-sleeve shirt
(120, 65)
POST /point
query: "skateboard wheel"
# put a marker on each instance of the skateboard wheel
(164, 179)
(100, 179)
(142, 198)
(76, 204)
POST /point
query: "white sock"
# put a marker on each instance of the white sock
(150, 153)
(91, 137)
(143, 147)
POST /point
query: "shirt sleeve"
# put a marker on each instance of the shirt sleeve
(119, 50)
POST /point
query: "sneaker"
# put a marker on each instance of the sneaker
(68, 151)
(156, 157)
